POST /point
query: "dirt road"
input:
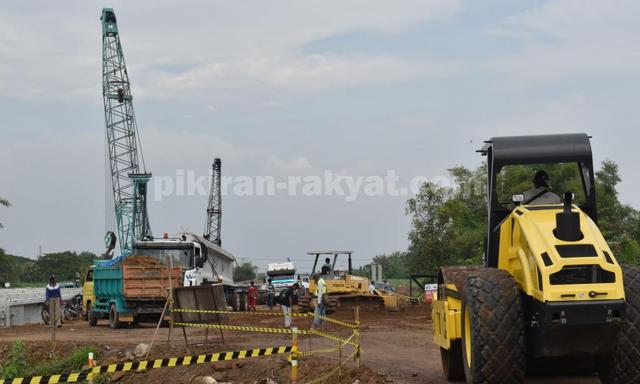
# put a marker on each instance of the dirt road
(395, 345)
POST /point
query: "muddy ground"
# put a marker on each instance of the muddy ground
(396, 348)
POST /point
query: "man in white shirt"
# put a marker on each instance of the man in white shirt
(321, 290)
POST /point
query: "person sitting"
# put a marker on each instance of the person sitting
(326, 268)
(541, 193)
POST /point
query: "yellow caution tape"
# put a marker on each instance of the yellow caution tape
(260, 313)
(334, 321)
(243, 328)
(148, 364)
(409, 298)
(254, 313)
(246, 328)
(332, 372)
(330, 350)
(331, 337)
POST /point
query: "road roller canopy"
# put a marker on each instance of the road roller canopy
(527, 150)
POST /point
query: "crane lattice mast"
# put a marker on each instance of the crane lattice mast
(214, 209)
(128, 182)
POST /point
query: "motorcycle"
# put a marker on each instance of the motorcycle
(72, 308)
(69, 310)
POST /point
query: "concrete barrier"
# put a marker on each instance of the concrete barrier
(20, 306)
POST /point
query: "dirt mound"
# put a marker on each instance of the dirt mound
(253, 371)
(248, 371)
(141, 260)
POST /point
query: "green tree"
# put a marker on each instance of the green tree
(4, 203)
(619, 223)
(245, 271)
(63, 264)
(394, 265)
(448, 224)
(4, 267)
(430, 235)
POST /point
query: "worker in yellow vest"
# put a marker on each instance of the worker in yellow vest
(321, 298)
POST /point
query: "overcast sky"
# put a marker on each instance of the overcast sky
(295, 88)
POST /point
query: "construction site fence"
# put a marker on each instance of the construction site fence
(139, 366)
(410, 299)
(271, 314)
(352, 340)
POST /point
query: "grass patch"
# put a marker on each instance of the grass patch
(18, 364)
(16, 361)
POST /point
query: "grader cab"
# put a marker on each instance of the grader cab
(550, 287)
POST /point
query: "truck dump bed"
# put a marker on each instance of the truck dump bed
(136, 278)
(150, 282)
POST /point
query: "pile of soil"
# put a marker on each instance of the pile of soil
(141, 260)
(256, 370)
(247, 371)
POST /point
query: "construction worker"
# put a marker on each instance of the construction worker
(321, 290)
(271, 294)
(252, 295)
(326, 268)
(541, 193)
(301, 290)
(53, 297)
(288, 300)
(372, 287)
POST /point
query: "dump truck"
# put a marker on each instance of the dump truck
(550, 289)
(282, 275)
(131, 290)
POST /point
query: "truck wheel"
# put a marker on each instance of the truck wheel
(493, 330)
(91, 315)
(623, 364)
(452, 361)
(114, 321)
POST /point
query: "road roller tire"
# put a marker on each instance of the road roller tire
(494, 347)
(623, 364)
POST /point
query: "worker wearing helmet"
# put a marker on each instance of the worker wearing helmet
(541, 193)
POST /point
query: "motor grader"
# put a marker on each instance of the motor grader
(550, 288)
(345, 290)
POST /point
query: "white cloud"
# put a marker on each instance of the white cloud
(298, 165)
(274, 79)
(571, 39)
(230, 49)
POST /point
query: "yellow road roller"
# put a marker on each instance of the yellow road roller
(550, 287)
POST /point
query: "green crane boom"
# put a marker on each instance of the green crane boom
(128, 181)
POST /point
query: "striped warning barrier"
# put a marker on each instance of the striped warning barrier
(149, 364)
(261, 313)
(409, 299)
(246, 328)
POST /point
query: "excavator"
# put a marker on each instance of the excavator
(345, 290)
(550, 288)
